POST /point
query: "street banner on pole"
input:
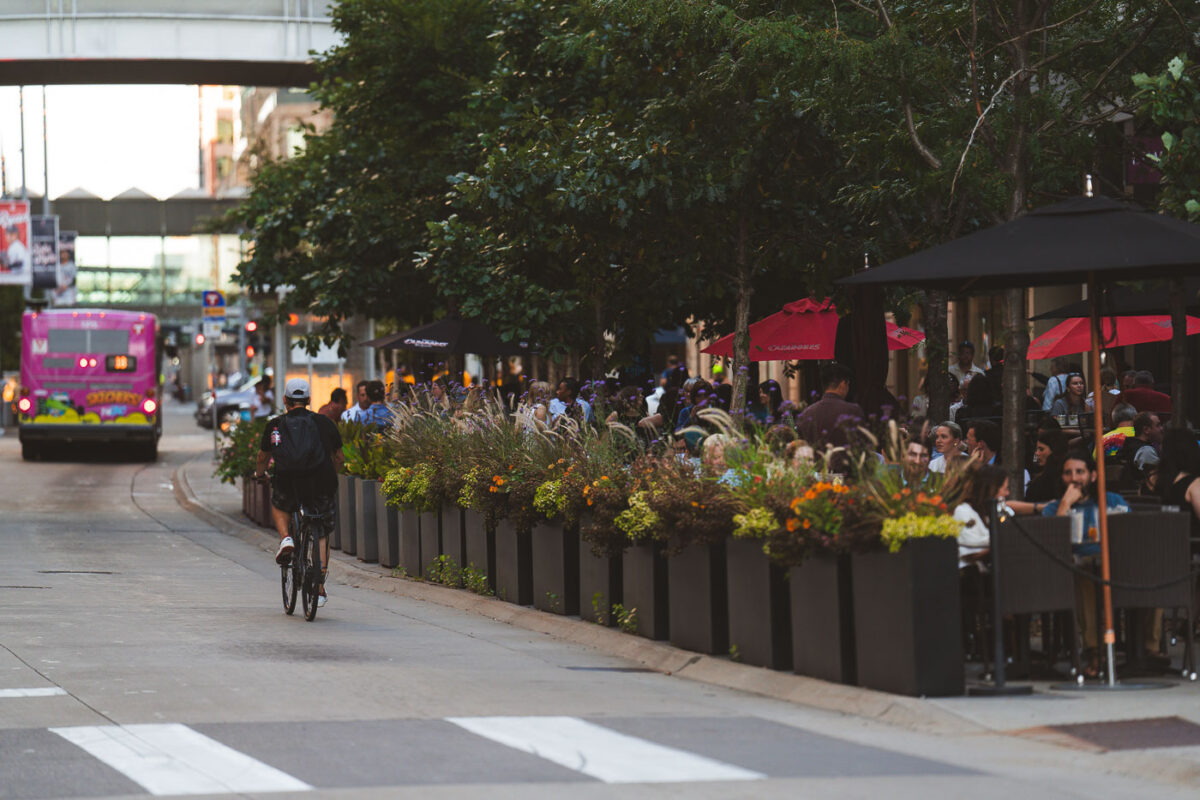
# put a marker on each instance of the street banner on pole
(43, 251)
(14, 242)
(64, 293)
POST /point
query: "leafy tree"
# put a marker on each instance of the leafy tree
(1171, 100)
(339, 223)
(960, 115)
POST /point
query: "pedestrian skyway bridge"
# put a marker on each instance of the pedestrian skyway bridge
(232, 42)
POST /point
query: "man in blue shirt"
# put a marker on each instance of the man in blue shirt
(377, 413)
(1079, 496)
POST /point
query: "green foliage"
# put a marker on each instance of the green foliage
(239, 450)
(361, 446)
(626, 618)
(475, 580)
(895, 532)
(1171, 101)
(444, 570)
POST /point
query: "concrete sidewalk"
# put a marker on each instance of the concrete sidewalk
(1173, 713)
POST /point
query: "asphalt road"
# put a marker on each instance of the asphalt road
(144, 653)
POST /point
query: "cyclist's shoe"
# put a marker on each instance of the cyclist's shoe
(284, 554)
(322, 598)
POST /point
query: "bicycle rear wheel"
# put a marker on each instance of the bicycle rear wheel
(310, 555)
(290, 574)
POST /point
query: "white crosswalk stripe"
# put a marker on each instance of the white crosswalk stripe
(45, 691)
(172, 759)
(601, 753)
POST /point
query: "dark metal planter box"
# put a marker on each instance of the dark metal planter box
(908, 619)
(698, 599)
(431, 540)
(480, 543)
(822, 604)
(387, 528)
(759, 608)
(263, 504)
(644, 589)
(454, 544)
(366, 537)
(410, 542)
(555, 568)
(599, 585)
(335, 533)
(346, 513)
(246, 481)
(514, 564)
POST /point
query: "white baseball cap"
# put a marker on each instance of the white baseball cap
(297, 389)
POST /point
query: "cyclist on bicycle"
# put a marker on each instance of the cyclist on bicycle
(307, 450)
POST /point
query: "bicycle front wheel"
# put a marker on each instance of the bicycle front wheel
(310, 555)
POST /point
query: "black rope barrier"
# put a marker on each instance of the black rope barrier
(1091, 576)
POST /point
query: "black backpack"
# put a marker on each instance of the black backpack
(299, 448)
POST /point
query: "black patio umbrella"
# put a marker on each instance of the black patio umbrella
(1130, 303)
(452, 336)
(1082, 240)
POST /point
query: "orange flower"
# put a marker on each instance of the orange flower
(807, 524)
(906, 492)
(936, 499)
(791, 525)
(589, 501)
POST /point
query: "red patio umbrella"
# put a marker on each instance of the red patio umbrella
(805, 330)
(1075, 336)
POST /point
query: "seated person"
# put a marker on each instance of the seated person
(986, 483)
(1079, 495)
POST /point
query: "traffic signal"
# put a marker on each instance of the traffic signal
(200, 340)
(252, 326)
(249, 351)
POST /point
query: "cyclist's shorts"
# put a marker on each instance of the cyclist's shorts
(288, 490)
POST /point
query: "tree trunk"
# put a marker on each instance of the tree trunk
(1012, 448)
(741, 334)
(937, 349)
(1177, 301)
(596, 362)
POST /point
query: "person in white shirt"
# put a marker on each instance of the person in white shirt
(947, 441)
(362, 403)
(986, 484)
(965, 366)
(16, 257)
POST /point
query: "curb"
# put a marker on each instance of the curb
(905, 712)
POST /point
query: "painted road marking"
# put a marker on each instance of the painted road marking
(174, 759)
(600, 752)
(47, 691)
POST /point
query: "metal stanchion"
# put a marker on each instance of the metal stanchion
(998, 687)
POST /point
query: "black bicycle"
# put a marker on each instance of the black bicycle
(303, 575)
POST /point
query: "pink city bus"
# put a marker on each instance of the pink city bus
(89, 375)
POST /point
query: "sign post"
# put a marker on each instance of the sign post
(212, 321)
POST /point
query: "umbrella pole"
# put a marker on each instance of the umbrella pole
(1110, 637)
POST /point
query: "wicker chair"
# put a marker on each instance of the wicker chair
(1151, 548)
(1032, 582)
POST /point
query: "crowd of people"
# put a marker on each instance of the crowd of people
(1061, 477)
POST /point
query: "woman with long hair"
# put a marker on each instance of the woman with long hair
(1073, 401)
(985, 484)
(1048, 456)
(770, 398)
